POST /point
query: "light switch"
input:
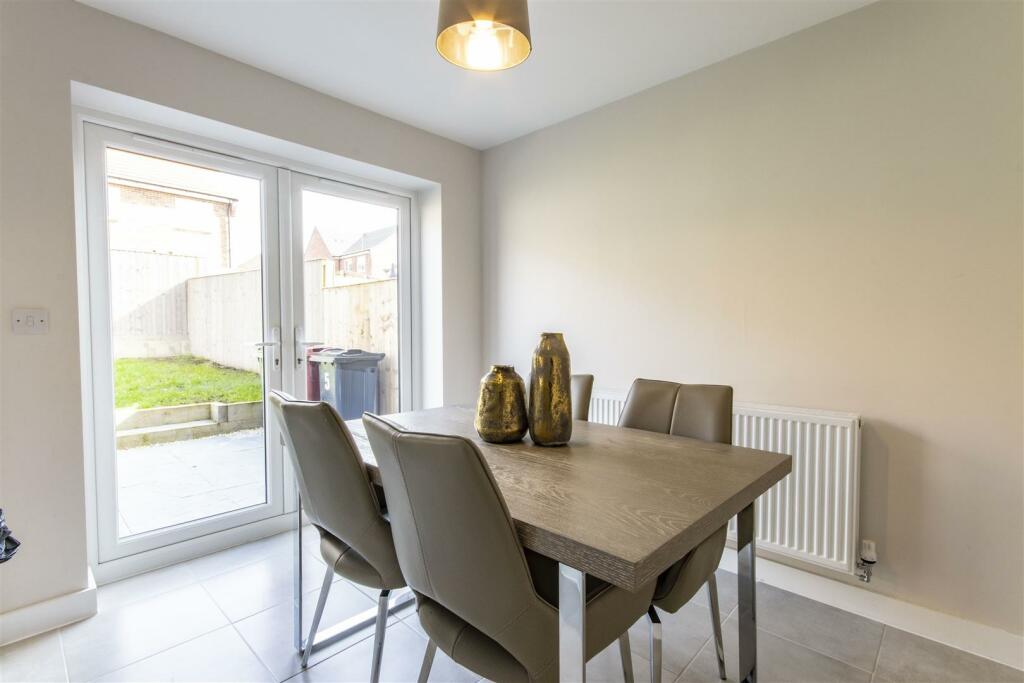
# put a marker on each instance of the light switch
(30, 321)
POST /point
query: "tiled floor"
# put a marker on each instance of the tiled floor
(171, 483)
(227, 617)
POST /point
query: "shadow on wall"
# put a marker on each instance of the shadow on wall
(878, 438)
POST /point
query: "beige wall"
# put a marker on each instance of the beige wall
(830, 221)
(44, 46)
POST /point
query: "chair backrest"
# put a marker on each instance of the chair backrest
(699, 411)
(336, 491)
(580, 388)
(456, 542)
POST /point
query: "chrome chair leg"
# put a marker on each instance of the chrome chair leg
(655, 623)
(627, 658)
(716, 624)
(321, 601)
(428, 661)
(378, 636)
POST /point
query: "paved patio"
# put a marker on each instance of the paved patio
(172, 483)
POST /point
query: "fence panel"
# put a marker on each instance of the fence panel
(365, 316)
(225, 318)
(149, 303)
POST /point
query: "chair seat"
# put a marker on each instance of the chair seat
(350, 565)
(682, 580)
(610, 612)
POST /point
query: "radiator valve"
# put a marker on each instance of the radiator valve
(868, 558)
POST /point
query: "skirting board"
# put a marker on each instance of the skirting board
(984, 641)
(47, 615)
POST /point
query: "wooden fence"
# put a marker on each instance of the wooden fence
(162, 308)
(357, 316)
(225, 315)
(148, 302)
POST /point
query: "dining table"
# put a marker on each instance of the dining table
(615, 503)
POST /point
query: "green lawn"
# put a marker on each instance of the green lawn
(152, 382)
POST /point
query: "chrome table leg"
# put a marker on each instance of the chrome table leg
(747, 595)
(716, 624)
(572, 610)
(297, 574)
(655, 654)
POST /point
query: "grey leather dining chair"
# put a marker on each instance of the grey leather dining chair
(340, 502)
(699, 411)
(487, 603)
(580, 389)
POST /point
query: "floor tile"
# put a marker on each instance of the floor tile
(402, 657)
(606, 666)
(271, 637)
(683, 634)
(906, 657)
(779, 661)
(221, 562)
(33, 659)
(218, 656)
(262, 584)
(831, 631)
(124, 635)
(125, 591)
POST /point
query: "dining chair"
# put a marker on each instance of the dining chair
(580, 389)
(698, 411)
(487, 603)
(355, 537)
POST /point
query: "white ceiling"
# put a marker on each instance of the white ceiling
(380, 54)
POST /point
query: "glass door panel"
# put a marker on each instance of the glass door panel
(350, 249)
(181, 289)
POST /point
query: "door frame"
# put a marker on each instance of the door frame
(322, 167)
(109, 545)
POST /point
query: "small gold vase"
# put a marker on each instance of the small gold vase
(501, 410)
(550, 392)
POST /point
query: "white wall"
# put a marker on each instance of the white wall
(830, 221)
(43, 47)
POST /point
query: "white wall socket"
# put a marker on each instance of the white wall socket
(30, 321)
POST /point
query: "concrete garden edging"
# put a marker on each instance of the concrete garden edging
(146, 426)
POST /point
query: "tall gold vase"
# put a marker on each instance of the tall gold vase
(550, 398)
(501, 409)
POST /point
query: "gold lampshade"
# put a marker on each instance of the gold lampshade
(483, 35)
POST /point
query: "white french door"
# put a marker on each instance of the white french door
(350, 289)
(211, 280)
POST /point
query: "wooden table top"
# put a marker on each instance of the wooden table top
(620, 504)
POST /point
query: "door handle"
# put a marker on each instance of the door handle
(273, 344)
(302, 345)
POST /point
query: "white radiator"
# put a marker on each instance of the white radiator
(812, 514)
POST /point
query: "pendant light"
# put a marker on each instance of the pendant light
(483, 35)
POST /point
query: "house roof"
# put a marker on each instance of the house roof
(338, 243)
(368, 240)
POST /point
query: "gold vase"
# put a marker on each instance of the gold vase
(550, 397)
(501, 410)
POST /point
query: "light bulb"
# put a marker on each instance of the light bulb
(483, 46)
